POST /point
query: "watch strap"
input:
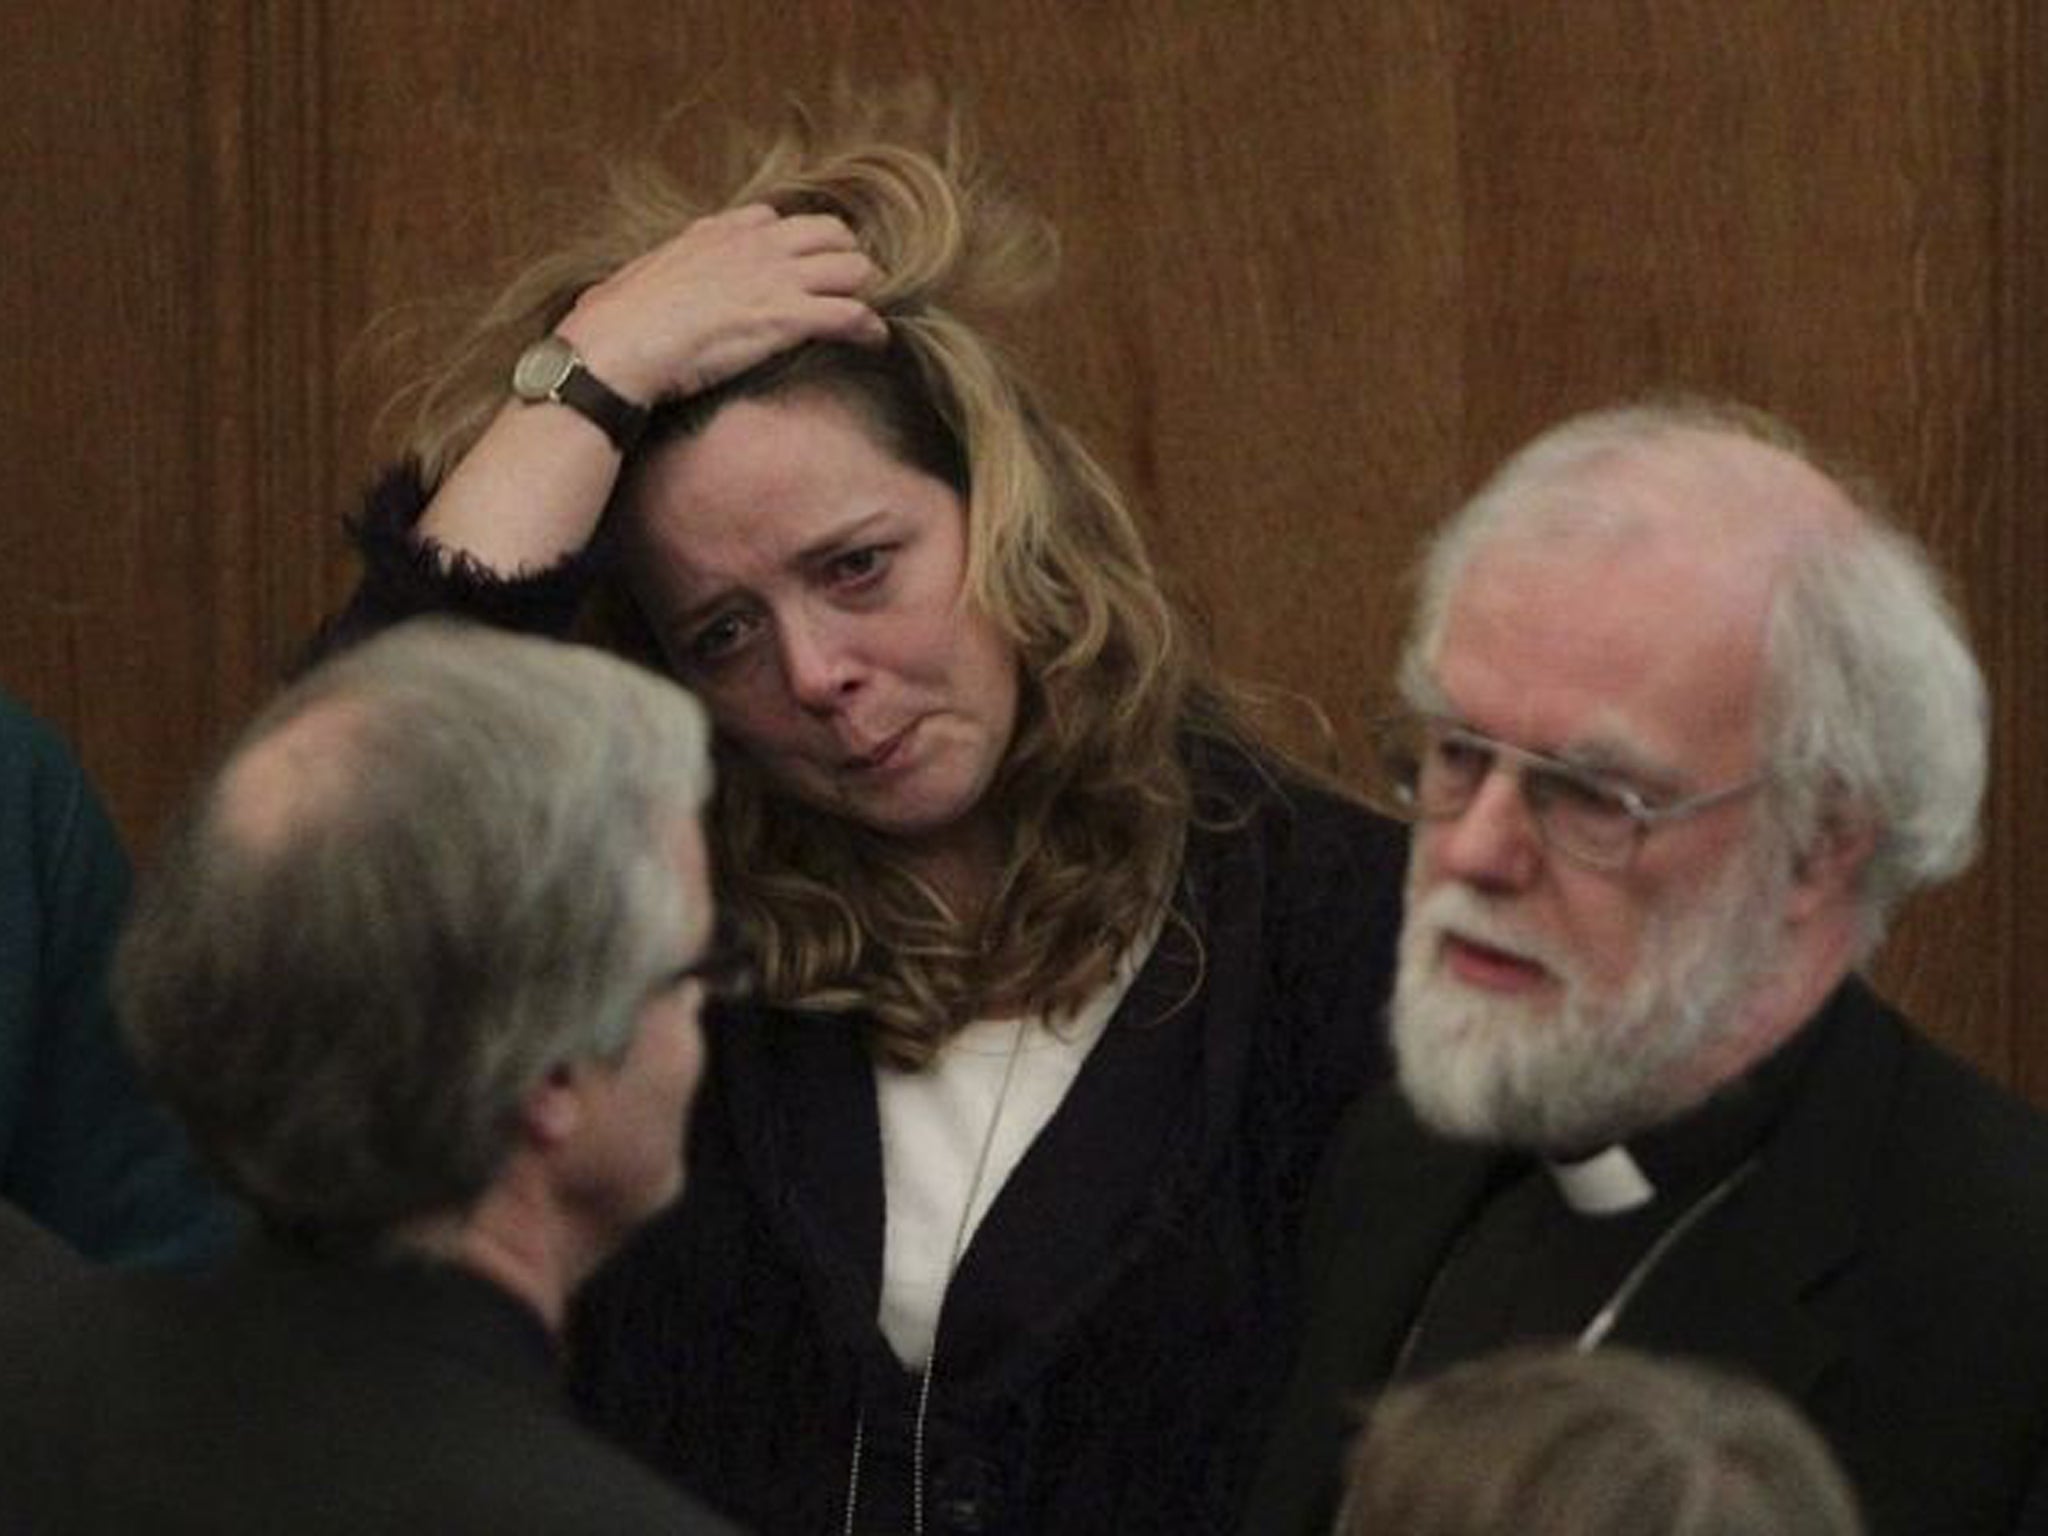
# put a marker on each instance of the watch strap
(590, 397)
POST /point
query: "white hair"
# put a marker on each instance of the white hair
(1874, 709)
(1874, 703)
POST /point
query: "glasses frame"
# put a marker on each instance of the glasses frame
(1644, 817)
(724, 970)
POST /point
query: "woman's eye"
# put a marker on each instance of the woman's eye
(858, 567)
(716, 641)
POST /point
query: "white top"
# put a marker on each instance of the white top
(935, 1123)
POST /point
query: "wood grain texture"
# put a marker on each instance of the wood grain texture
(1794, 205)
(101, 313)
(1324, 263)
(2014, 623)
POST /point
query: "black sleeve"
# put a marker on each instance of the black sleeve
(405, 575)
(1336, 872)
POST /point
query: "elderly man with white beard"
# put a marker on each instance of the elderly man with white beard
(1685, 720)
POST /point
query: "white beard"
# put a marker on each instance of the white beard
(1572, 1075)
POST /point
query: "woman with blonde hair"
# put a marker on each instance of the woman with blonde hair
(1064, 974)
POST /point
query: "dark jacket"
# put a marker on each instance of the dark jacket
(1885, 1267)
(83, 1151)
(287, 1394)
(31, 1255)
(1112, 1342)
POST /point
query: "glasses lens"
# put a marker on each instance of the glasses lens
(1580, 817)
(1397, 751)
(1428, 769)
(1454, 764)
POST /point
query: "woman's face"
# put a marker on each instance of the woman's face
(811, 588)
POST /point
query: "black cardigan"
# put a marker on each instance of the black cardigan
(1109, 1351)
(1110, 1347)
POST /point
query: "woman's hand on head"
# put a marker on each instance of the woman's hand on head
(730, 291)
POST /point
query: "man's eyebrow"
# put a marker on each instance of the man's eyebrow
(1609, 756)
(1603, 753)
(1598, 754)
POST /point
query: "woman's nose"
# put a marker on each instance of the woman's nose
(818, 665)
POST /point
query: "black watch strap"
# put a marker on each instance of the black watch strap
(588, 395)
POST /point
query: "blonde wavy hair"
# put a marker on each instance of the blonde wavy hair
(1094, 792)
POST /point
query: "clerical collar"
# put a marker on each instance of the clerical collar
(1605, 1184)
(1692, 1151)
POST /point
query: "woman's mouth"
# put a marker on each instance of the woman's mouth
(891, 752)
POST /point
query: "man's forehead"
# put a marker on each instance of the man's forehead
(1640, 650)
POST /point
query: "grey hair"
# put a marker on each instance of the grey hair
(1874, 707)
(475, 883)
(1547, 1441)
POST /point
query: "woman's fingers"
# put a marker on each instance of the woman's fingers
(728, 292)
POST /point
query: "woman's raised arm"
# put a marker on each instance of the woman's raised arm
(730, 291)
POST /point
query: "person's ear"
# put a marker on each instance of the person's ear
(1827, 870)
(554, 1107)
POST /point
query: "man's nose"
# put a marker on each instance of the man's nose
(1494, 842)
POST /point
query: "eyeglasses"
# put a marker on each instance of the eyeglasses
(1431, 769)
(724, 969)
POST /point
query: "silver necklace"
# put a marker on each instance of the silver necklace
(1603, 1321)
(1594, 1334)
(931, 1359)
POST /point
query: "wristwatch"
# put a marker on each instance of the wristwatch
(551, 370)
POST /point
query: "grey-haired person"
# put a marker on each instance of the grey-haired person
(420, 973)
(1686, 719)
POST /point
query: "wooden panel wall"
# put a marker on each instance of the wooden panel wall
(1326, 261)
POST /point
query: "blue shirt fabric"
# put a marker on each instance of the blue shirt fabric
(83, 1150)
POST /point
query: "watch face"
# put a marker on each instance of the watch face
(542, 367)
